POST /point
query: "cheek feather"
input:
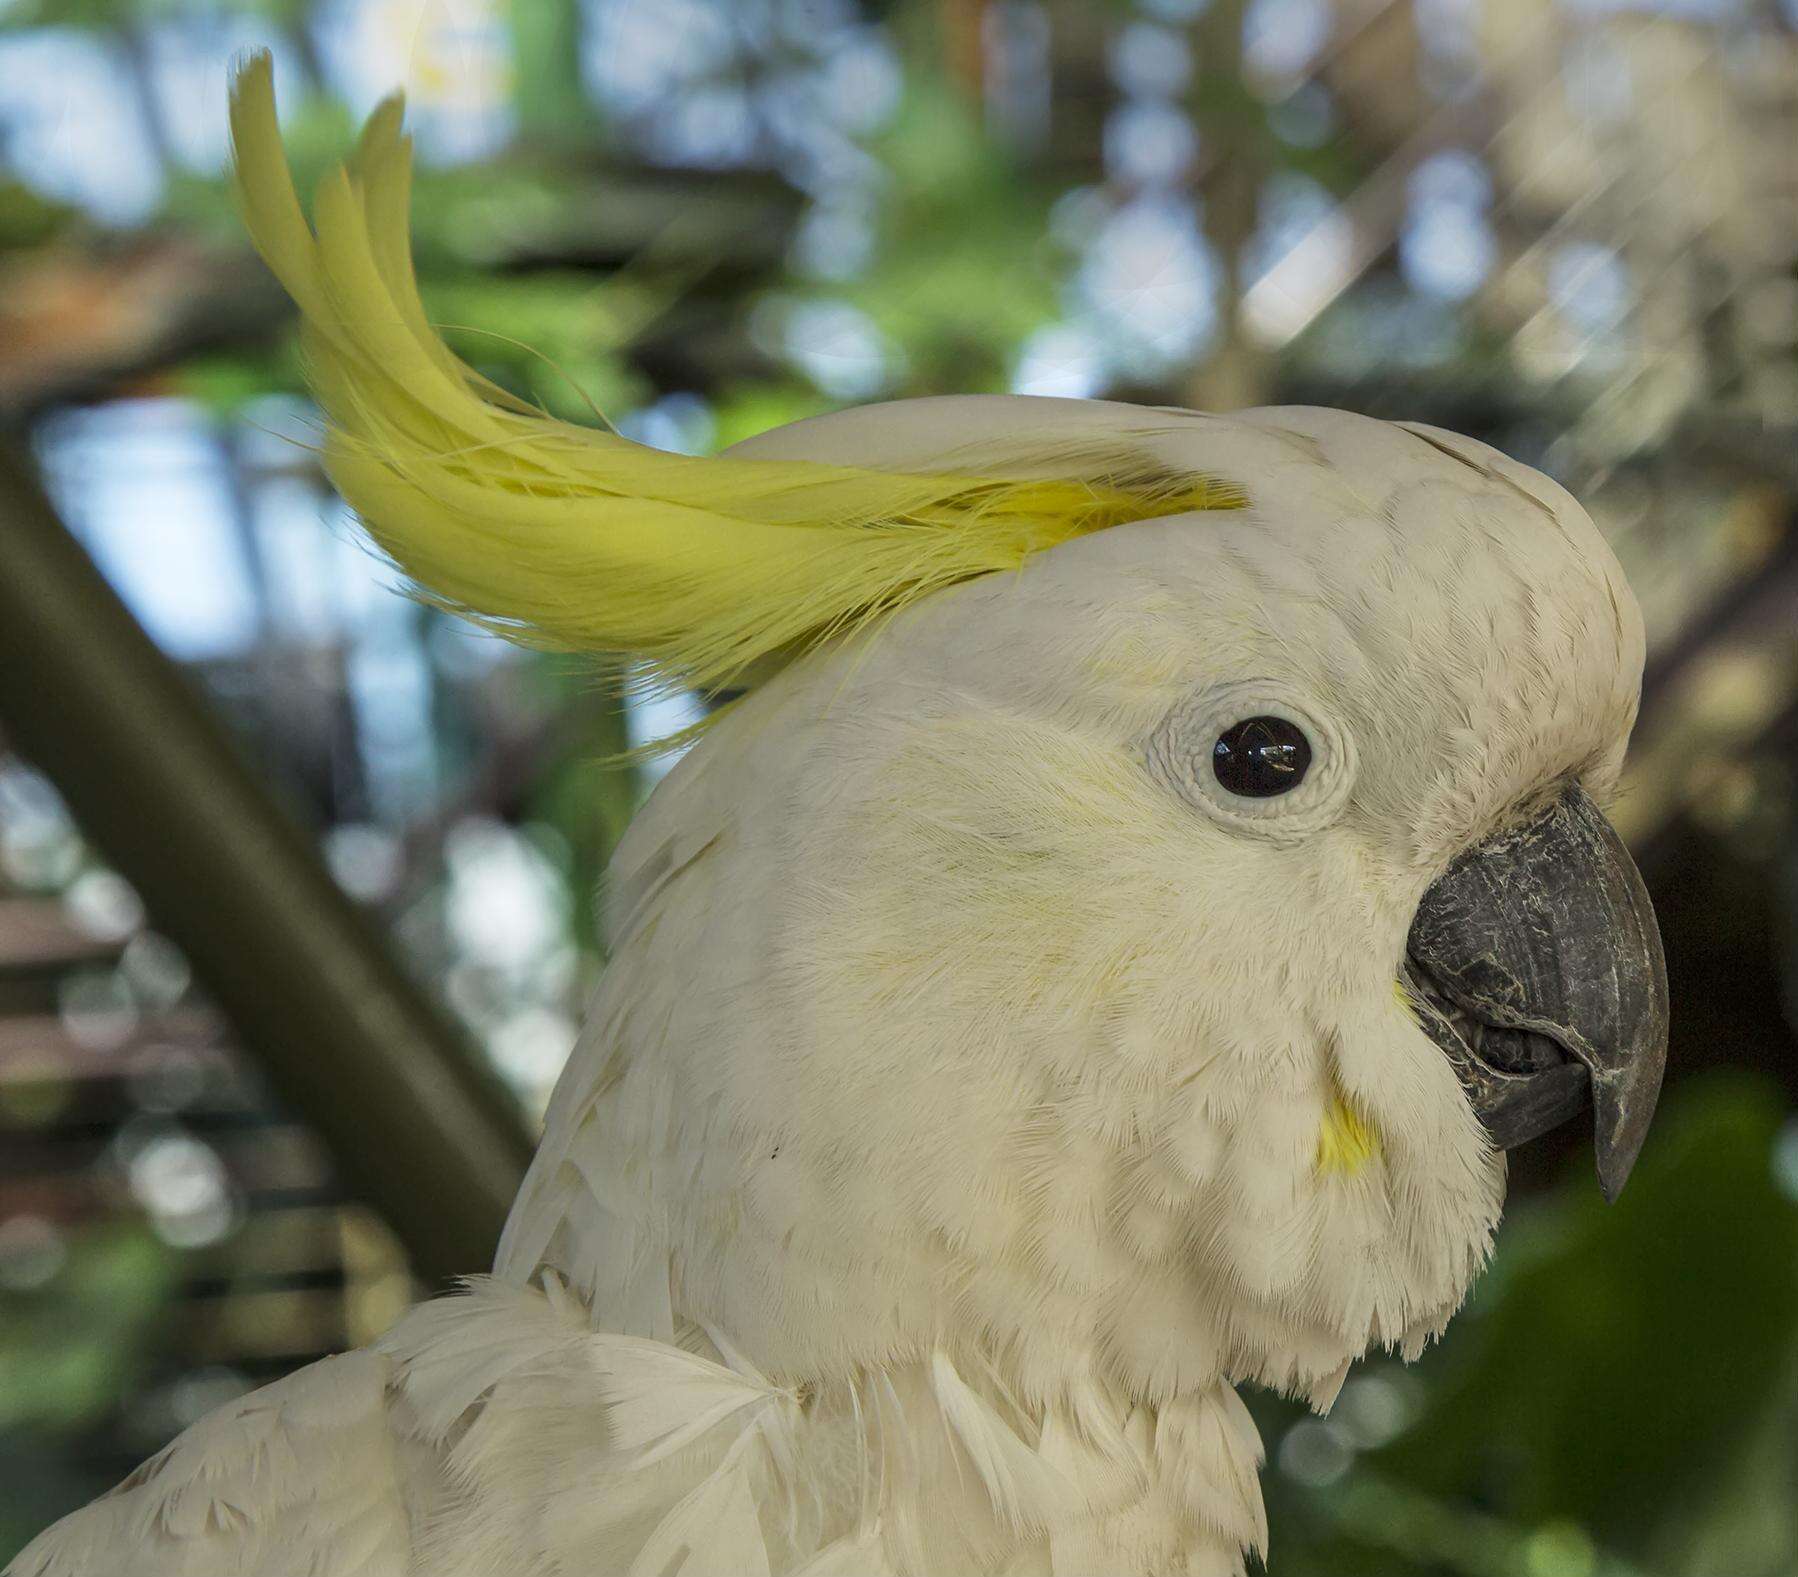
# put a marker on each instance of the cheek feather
(1346, 1141)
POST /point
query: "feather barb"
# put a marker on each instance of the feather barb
(576, 539)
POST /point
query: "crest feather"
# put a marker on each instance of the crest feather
(575, 539)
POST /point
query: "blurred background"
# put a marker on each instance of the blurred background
(1568, 227)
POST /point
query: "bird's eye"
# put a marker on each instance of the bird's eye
(1258, 755)
(1261, 756)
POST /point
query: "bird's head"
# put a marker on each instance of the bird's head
(1160, 875)
(1182, 925)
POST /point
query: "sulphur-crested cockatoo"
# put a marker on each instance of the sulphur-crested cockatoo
(1154, 873)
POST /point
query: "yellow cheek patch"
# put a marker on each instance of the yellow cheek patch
(1347, 1141)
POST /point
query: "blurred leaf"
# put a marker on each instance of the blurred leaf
(226, 383)
(1605, 1371)
(1617, 1399)
(553, 338)
(549, 95)
(118, 14)
(28, 219)
(756, 408)
(84, 1331)
(962, 273)
(71, 1352)
(583, 793)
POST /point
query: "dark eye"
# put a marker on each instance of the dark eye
(1261, 756)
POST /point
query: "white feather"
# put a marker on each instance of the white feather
(713, 1532)
(950, 1013)
(660, 1400)
(1027, 1493)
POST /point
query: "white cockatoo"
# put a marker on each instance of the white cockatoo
(1153, 874)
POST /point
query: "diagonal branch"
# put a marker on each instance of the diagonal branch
(417, 1127)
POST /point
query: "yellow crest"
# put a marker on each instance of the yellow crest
(572, 538)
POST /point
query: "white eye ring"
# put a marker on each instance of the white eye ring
(1179, 755)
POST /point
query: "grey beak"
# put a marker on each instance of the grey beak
(1535, 963)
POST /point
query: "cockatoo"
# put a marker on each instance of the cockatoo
(1154, 873)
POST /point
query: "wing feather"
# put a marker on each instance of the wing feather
(297, 1477)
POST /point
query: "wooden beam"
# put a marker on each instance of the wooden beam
(415, 1123)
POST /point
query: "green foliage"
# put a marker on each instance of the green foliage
(584, 792)
(86, 1328)
(71, 1351)
(225, 384)
(758, 407)
(122, 14)
(552, 103)
(553, 338)
(1599, 1407)
(962, 274)
(28, 219)
(1655, 1325)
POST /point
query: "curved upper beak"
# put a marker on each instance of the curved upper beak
(1537, 966)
